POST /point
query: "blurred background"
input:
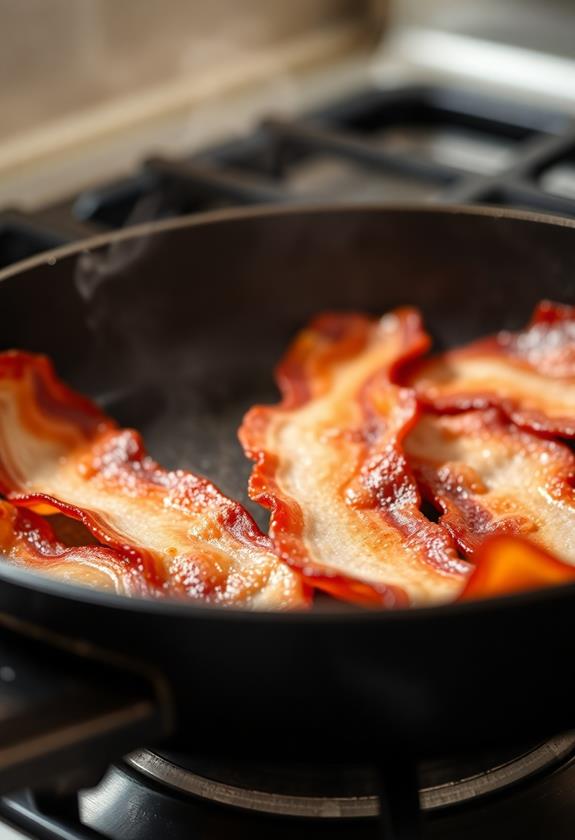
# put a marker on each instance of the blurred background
(114, 112)
(58, 57)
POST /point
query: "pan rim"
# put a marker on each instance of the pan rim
(51, 256)
(36, 582)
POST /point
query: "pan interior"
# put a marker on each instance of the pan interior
(177, 333)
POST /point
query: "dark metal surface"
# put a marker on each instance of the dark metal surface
(128, 806)
(336, 791)
(59, 706)
(530, 807)
(22, 813)
(177, 327)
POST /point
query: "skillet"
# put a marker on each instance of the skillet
(174, 327)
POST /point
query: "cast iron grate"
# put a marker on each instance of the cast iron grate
(404, 144)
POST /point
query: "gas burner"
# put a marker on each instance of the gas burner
(503, 795)
(332, 792)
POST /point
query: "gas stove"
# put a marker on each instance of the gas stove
(515, 793)
(399, 144)
(418, 143)
(380, 142)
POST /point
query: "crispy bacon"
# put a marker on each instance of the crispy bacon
(505, 565)
(489, 477)
(58, 452)
(529, 374)
(330, 466)
(29, 540)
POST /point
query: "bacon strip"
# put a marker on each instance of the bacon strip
(330, 466)
(489, 477)
(505, 565)
(58, 452)
(27, 539)
(530, 374)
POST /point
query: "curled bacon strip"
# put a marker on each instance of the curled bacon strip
(505, 565)
(489, 477)
(329, 465)
(29, 540)
(58, 452)
(530, 374)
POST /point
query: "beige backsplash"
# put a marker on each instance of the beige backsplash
(58, 57)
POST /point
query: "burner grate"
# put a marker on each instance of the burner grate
(402, 144)
(24, 234)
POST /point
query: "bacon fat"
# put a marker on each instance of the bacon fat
(329, 465)
(59, 453)
(29, 540)
(529, 374)
(487, 476)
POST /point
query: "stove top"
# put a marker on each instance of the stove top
(511, 794)
(410, 143)
(340, 792)
(414, 143)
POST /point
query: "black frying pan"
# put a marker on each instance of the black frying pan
(175, 328)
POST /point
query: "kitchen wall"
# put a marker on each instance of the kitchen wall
(61, 56)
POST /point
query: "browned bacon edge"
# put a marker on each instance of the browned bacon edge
(552, 324)
(97, 430)
(301, 374)
(29, 539)
(457, 490)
